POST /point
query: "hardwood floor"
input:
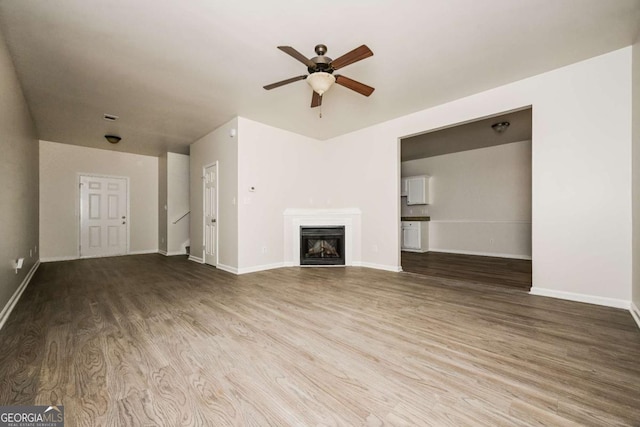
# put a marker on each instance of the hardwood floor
(150, 340)
(505, 272)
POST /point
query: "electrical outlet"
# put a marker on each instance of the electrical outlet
(264, 249)
(492, 241)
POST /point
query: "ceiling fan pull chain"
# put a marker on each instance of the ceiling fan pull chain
(320, 110)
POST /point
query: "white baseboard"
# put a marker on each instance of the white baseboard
(635, 313)
(8, 308)
(421, 251)
(392, 268)
(174, 253)
(497, 255)
(72, 257)
(59, 258)
(227, 268)
(143, 252)
(591, 299)
(196, 259)
(257, 268)
(161, 252)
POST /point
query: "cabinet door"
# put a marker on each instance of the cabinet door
(416, 191)
(411, 237)
(404, 186)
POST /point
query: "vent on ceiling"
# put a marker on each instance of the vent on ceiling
(110, 117)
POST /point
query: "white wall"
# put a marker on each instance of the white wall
(60, 165)
(287, 171)
(162, 204)
(177, 203)
(636, 180)
(581, 176)
(216, 146)
(19, 185)
(480, 200)
(365, 174)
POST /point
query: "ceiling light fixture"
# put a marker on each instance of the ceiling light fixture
(114, 139)
(320, 82)
(501, 126)
(110, 117)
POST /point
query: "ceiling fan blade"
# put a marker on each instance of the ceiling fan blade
(297, 55)
(355, 55)
(361, 88)
(316, 100)
(284, 82)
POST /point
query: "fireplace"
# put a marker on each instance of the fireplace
(322, 245)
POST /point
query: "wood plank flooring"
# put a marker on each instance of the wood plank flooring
(484, 270)
(151, 340)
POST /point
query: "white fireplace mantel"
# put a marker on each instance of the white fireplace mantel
(350, 218)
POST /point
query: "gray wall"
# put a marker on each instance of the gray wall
(162, 203)
(221, 147)
(18, 181)
(178, 203)
(480, 200)
(60, 168)
(635, 180)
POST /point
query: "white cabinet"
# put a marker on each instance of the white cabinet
(415, 236)
(416, 189)
(404, 187)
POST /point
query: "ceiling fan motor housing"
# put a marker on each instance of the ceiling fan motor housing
(323, 64)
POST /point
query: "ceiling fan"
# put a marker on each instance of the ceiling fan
(321, 69)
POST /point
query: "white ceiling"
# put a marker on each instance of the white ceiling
(175, 70)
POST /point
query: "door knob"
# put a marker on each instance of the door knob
(124, 222)
(213, 220)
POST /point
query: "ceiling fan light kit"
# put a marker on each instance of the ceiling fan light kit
(320, 82)
(321, 68)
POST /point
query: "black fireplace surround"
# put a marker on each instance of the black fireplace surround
(322, 245)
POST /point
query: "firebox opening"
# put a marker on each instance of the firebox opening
(320, 245)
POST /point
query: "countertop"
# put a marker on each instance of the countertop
(415, 218)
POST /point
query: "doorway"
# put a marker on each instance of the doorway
(473, 220)
(104, 212)
(210, 215)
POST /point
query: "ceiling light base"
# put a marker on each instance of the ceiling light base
(501, 126)
(114, 139)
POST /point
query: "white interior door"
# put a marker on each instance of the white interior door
(103, 216)
(211, 215)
